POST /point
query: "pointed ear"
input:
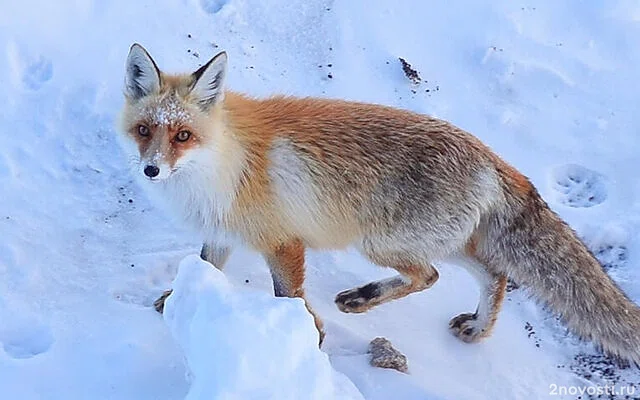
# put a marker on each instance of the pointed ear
(142, 74)
(207, 87)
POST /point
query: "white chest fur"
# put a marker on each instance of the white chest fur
(199, 193)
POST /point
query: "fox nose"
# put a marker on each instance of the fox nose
(151, 171)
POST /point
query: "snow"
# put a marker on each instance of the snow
(552, 87)
(168, 112)
(246, 344)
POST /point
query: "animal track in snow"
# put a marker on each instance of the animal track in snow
(609, 244)
(37, 73)
(212, 6)
(28, 70)
(26, 340)
(577, 186)
(611, 256)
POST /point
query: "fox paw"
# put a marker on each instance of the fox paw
(467, 328)
(159, 303)
(350, 301)
(356, 300)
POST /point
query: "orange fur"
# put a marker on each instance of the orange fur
(404, 189)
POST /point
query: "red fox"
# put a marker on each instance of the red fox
(406, 190)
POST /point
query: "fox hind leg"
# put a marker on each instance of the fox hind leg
(413, 278)
(473, 327)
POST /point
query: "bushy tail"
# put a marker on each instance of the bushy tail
(538, 250)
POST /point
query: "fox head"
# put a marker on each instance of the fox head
(167, 123)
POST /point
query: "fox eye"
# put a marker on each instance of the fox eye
(143, 130)
(183, 136)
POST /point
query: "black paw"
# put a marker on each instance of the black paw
(467, 327)
(357, 300)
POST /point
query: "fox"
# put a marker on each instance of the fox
(282, 174)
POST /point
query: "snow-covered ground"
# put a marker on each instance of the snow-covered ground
(247, 344)
(552, 86)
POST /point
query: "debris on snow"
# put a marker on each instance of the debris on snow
(384, 355)
(409, 71)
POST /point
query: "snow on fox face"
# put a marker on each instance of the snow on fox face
(160, 129)
(161, 136)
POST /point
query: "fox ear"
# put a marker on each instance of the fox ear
(208, 80)
(142, 74)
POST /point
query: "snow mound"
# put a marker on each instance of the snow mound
(247, 344)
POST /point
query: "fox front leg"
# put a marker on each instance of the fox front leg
(212, 253)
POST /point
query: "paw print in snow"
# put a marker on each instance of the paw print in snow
(26, 340)
(37, 73)
(578, 186)
(611, 256)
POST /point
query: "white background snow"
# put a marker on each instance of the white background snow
(551, 86)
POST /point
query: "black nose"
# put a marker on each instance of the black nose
(151, 171)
